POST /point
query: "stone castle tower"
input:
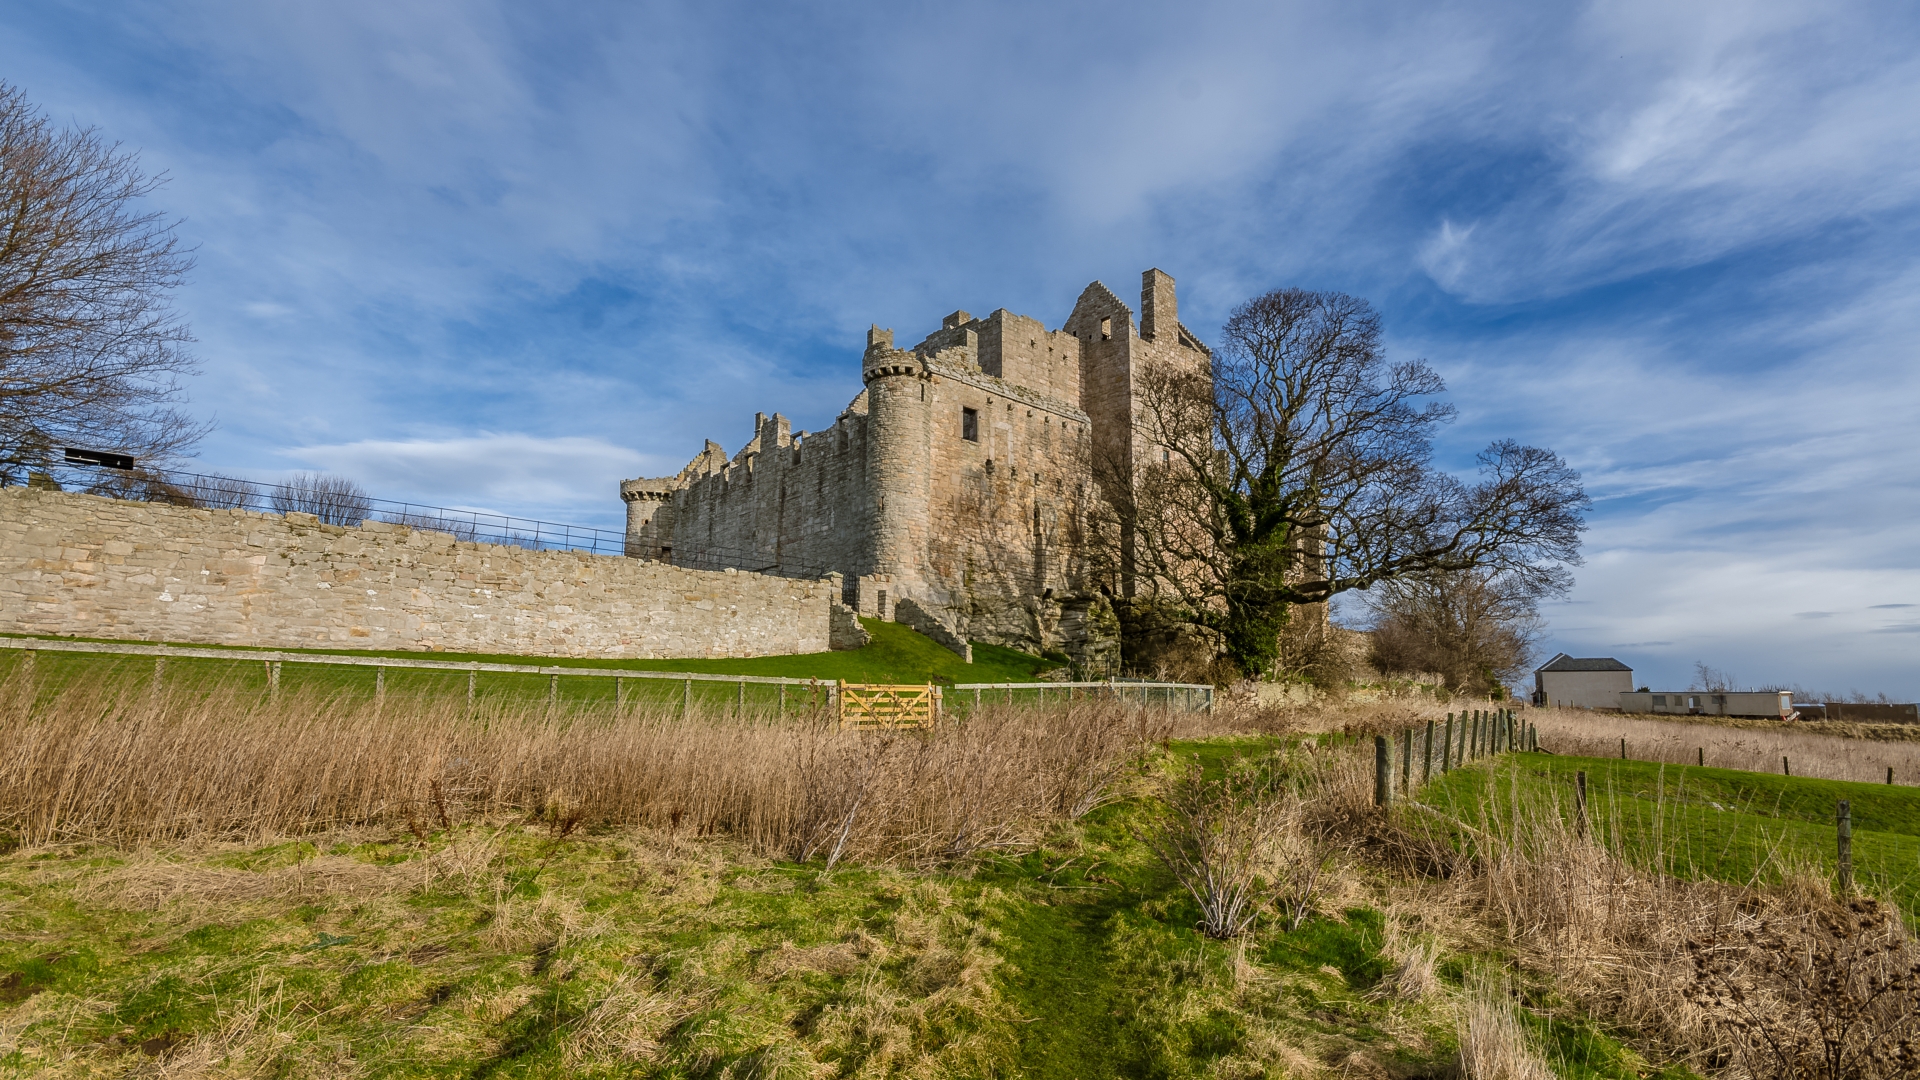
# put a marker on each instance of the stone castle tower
(955, 488)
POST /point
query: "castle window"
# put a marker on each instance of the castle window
(970, 425)
(1106, 328)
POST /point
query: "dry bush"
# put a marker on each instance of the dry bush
(1217, 837)
(1387, 716)
(120, 762)
(1598, 734)
(1248, 839)
(1835, 996)
(1620, 938)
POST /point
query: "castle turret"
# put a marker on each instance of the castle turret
(649, 518)
(899, 467)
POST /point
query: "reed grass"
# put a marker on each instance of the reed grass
(124, 763)
(1830, 757)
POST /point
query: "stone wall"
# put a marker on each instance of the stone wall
(82, 565)
(786, 503)
(1003, 556)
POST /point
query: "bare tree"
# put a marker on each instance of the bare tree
(90, 348)
(140, 485)
(221, 492)
(1300, 467)
(335, 500)
(1714, 680)
(1475, 629)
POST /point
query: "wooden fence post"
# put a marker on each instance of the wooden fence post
(686, 700)
(1623, 748)
(740, 699)
(473, 677)
(380, 685)
(1406, 761)
(553, 689)
(619, 693)
(1426, 764)
(1785, 769)
(1844, 833)
(1702, 757)
(1382, 771)
(1446, 749)
(1889, 774)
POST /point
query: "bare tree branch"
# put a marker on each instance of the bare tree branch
(90, 348)
(1300, 467)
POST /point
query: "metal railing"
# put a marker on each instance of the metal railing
(209, 492)
(1192, 697)
(212, 492)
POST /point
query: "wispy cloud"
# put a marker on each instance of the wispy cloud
(491, 254)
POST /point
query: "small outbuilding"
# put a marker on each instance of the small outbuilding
(1769, 704)
(1582, 682)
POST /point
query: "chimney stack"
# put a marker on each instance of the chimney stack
(1159, 311)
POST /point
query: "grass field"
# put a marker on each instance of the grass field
(1723, 824)
(896, 654)
(209, 881)
(504, 948)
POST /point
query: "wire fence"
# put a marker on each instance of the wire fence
(762, 696)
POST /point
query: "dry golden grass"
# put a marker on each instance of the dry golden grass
(1493, 1044)
(1754, 748)
(119, 763)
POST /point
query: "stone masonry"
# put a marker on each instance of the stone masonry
(960, 478)
(82, 565)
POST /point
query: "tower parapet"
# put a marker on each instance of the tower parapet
(649, 517)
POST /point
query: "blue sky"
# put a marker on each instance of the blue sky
(505, 255)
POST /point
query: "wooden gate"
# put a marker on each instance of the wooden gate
(874, 705)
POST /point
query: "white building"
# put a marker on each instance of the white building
(1773, 704)
(1574, 682)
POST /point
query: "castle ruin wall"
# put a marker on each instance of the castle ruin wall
(83, 565)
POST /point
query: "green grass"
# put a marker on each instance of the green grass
(897, 654)
(495, 949)
(1720, 824)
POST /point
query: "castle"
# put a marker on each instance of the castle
(953, 493)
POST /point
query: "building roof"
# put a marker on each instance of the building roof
(1563, 662)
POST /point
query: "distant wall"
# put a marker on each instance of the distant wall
(1585, 689)
(81, 565)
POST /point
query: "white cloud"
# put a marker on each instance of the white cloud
(503, 473)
